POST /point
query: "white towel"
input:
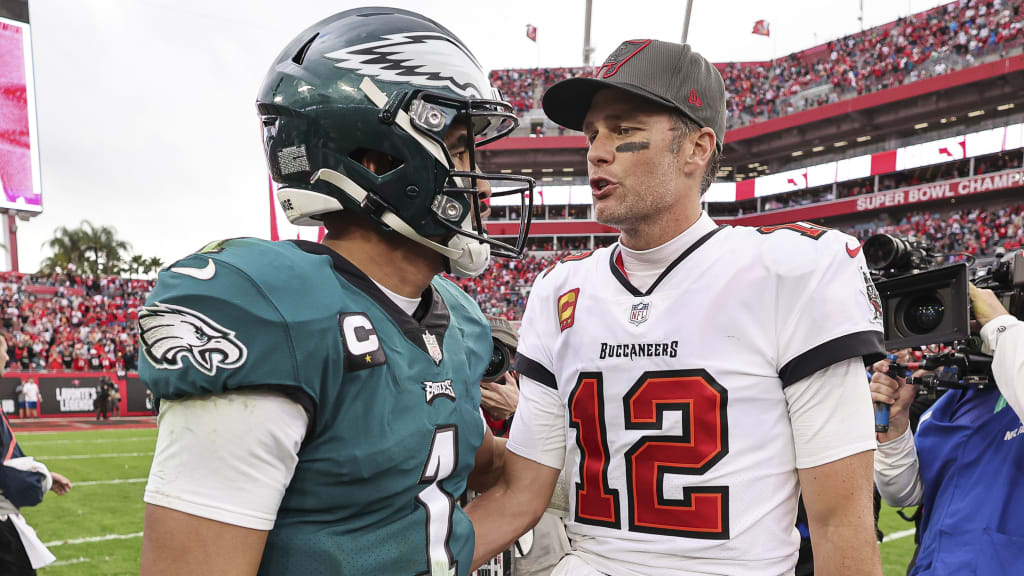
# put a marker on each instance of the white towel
(37, 552)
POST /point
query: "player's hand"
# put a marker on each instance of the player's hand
(500, 399)
(61, 485)
(986, 305)
(896, 393)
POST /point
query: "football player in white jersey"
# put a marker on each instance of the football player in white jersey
(693, 379)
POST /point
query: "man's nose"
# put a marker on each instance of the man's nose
(601, 151)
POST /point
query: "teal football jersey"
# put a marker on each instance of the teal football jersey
(393, 399)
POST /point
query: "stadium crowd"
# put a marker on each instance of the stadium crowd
(978, 232)
(923, 45)
(502, 289)
(67, 321)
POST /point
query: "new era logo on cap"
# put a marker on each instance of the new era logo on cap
(695, 98)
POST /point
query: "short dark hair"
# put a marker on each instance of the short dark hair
(685, 127)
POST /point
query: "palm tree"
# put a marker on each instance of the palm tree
(105, 247)
(68, 247)
(136, 264)
(93, 250)
(153, 265)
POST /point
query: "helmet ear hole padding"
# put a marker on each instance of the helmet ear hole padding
(380, 163)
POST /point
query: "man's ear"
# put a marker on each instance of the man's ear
(703, 147)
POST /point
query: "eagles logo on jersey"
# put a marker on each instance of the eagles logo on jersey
(169, 333)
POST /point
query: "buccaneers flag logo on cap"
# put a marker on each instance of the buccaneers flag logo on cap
(624, 52)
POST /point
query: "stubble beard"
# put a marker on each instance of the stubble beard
(637, 213)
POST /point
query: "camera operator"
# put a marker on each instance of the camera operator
(965, 463)
(1003, 337)
(499, 390)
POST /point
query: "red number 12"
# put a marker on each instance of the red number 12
(703, 512)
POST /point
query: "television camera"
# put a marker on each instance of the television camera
(926, 302)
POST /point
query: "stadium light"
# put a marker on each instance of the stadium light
(863, 138)
(527, 170)
(1005, 107)
(506, 171)
(567, 170)
(798, 153)
(975, 113)
(754, 165)
(547, 169)
(817, 149)
(841, 143)
(921, 125)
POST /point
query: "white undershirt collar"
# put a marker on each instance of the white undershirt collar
(643, 267)
(408, 305)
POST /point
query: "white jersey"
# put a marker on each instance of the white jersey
(676, 428)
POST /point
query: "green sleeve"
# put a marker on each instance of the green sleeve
(206, 336)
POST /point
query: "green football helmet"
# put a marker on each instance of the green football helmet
(397, 84)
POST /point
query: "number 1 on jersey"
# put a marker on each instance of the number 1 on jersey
(439, 505)
(703, 512)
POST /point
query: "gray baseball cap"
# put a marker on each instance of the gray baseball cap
(503, 331)
(670, 74)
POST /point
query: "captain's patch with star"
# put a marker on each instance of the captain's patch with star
(359, 338)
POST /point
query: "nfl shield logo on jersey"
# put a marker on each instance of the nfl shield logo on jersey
(432, 348)
(639, 312)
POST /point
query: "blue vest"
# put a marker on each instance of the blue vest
(972, 467)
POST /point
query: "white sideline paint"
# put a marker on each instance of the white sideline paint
(118, 481)
(84, 456)
(93, 539)
(898, 535)
(93, 441)
(78, 560)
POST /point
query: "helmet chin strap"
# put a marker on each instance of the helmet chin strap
(466, 257)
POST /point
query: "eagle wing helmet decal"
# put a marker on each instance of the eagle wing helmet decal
(170, 332)
(426, 58)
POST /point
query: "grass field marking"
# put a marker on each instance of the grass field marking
(85, 456)
(88, 441)
(118, 481)
(93, 539)
(898, 535)
(78, 560)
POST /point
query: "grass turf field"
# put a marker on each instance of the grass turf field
(96, 529)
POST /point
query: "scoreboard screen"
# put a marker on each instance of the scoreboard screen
(20, 186)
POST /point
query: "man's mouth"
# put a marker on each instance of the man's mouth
(601, 187)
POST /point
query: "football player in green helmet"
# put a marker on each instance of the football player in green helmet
(320, 402)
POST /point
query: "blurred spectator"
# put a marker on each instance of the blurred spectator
(32, 398)
(115, 398)
(103, 398)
